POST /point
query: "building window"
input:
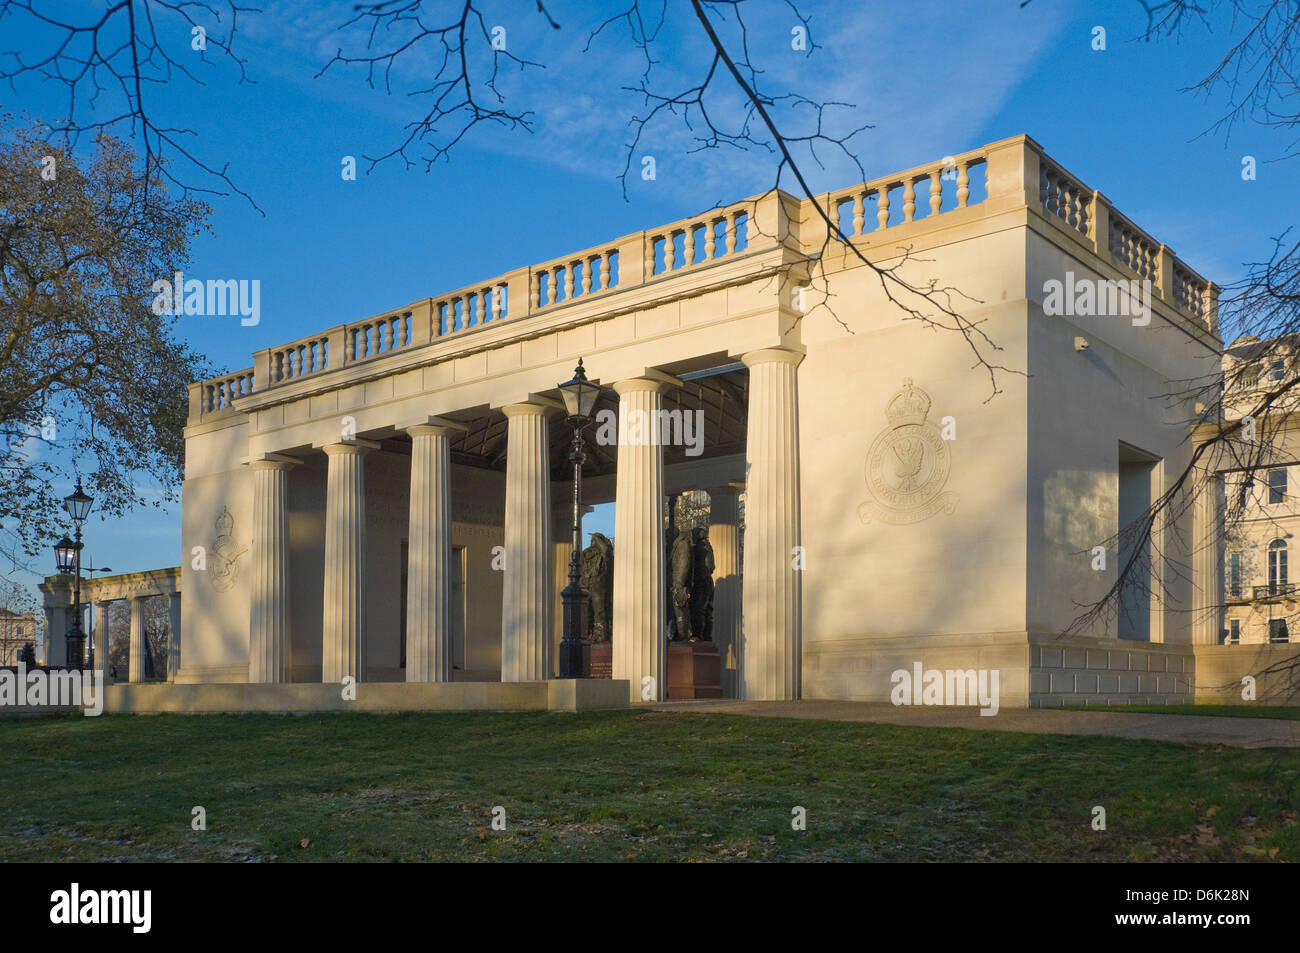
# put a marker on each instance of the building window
(1277, 485)
(1276, 565)
(1277, 630)
(1276, 370)
(1234, 574)
(1234, 631)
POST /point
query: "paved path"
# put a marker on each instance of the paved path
(1190, 729)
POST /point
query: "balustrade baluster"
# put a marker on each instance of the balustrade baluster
(909, 200)
(710, 239)
(604, 271)
(688, 247)
(859, 214)
(936, 191)
(963, 184)
(670, 251)
(882, 207)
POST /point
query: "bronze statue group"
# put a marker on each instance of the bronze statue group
(690, 585)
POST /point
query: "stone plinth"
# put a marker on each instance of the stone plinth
(694, 670)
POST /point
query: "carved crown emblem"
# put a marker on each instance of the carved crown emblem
(225, 523)
(909, 405)
(907, 464)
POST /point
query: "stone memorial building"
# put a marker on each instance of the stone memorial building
(389, 499)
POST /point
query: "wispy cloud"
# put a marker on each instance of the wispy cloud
(881, 61)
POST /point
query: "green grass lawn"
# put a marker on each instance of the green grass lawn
(639, 785)
(1284, 712)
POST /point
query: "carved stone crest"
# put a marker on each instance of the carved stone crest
(908, 463)
(223, 558)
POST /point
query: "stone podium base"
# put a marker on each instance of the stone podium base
(694, 670)
(552, 695)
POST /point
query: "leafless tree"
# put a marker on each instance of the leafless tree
(111, 58)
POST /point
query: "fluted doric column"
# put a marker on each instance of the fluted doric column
(526, 601)
(102, 647)
(54, 650)
(268, 609)
(136, 657)
(428, 586)
(343, 634)
(771, 623)
(640, 612)
(724, 537)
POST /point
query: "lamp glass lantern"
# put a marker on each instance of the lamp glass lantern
(579, 394)
(78, 504)
(65, 555)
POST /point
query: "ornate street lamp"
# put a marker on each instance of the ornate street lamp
(65, 557)
(67, 553)
(579, 400)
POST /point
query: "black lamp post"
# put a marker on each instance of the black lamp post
(579, 400)
(67, 554)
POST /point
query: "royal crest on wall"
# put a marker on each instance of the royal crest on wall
(908, 463)
(223, 558)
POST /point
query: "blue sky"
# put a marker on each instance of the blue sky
(933, 78)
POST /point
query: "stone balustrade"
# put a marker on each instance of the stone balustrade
(299, 359)
(471, 308)
(1089, 216)
(222, 392)
(944, 182)
(702, 239)
(1017, 174)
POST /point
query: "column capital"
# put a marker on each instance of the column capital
(529, 409)
(772, 355)
(357, 446)
(273, 461)
(435, 426)
(633, 385)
